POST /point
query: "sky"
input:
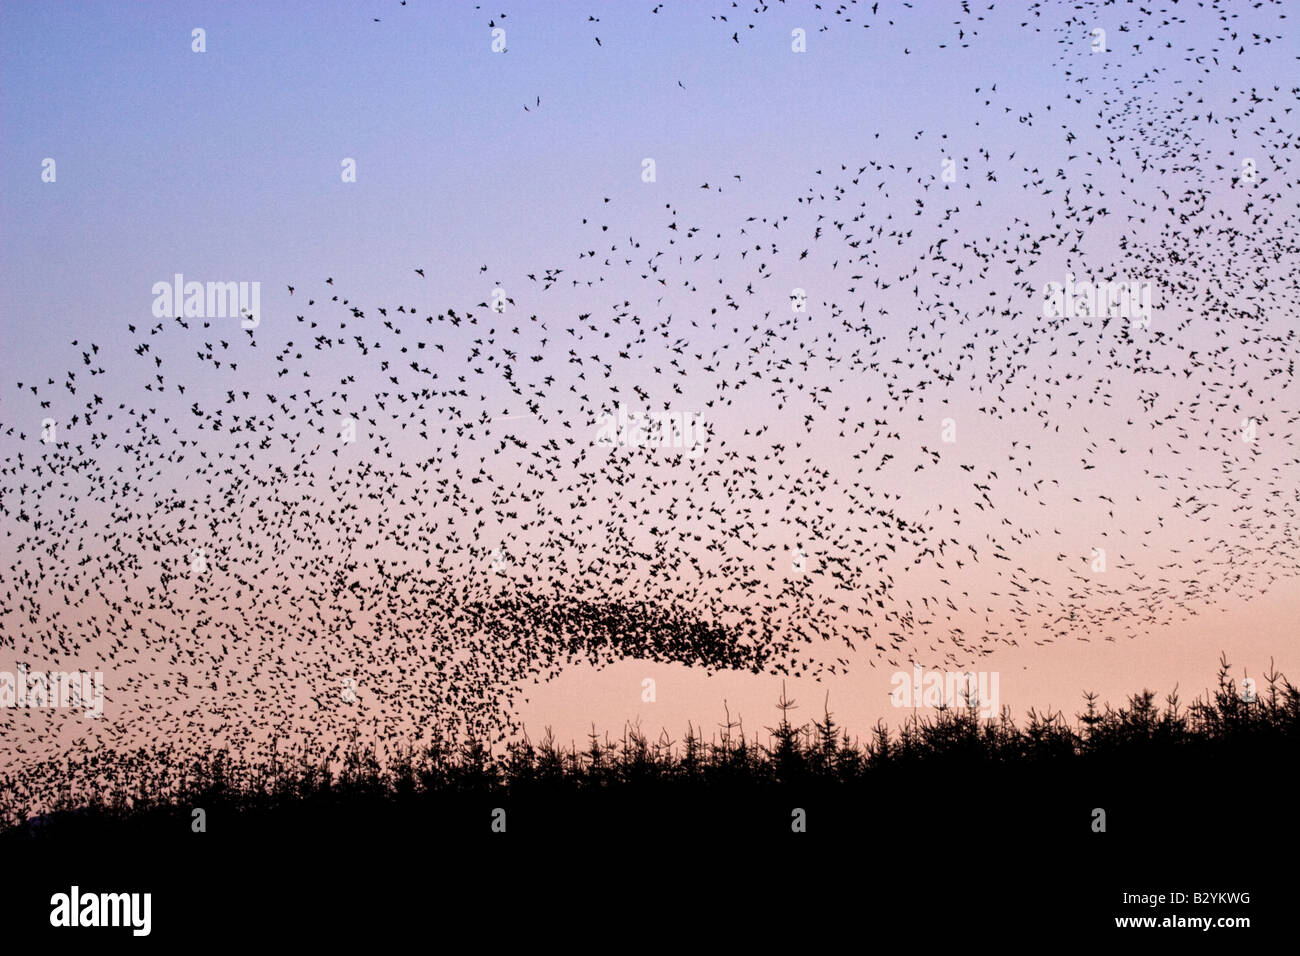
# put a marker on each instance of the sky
(485, 170)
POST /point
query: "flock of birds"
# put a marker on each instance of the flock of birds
(202, 530)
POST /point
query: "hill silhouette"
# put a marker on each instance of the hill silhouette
(1192, 798)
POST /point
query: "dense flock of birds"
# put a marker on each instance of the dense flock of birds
(201, 530)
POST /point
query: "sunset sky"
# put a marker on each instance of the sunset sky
(1070, 434)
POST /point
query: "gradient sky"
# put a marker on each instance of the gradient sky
(225, 165)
